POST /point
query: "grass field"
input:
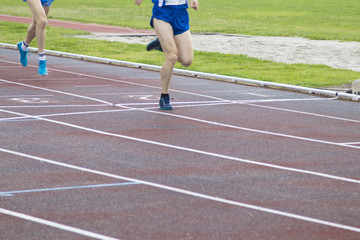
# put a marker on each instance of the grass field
(314, 19)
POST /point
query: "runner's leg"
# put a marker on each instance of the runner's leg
(185, 49)
(37, 28)
(165, 34)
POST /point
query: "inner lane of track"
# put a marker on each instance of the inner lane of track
(272, 149)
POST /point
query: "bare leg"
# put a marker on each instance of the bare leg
(37, 28)
(185, 49)
(165, 34)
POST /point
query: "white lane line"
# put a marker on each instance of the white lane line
(66, 114)
(283, 135)
(195, 94)
(351, 143)
(252, 130)
(55, 225)
(124, 105)
(92, 76)
(56, 106)
(306, 113)
(256, 94)
(191, 84)
(98, 100)
(56, 91)
(91, 86)
(247, 129)
(19, 96)
(51, 79)
(11, 193)
(123, 93)
(190, 193)
(189, 149)
(189, 93)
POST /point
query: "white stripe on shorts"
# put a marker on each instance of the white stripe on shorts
(174, 2)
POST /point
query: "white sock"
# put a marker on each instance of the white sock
(42, 56)
(24, 46)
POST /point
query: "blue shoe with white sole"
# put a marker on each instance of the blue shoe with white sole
(42, 68)
(23, 54)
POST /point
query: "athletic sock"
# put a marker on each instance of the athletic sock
(42, 56)
(24, 46)
(164, 95)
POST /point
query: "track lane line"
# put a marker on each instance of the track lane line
(189, 193)
(105, 185)
(190, 93)
(253, 130)
(180, 116)
(274, 166)
(306, 113)
(55, 225)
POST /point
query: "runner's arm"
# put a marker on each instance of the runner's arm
(138, 2)
(194, 4)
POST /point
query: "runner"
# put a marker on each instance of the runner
(170, 20)
(40, 10)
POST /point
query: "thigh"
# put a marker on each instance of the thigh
(37, 9)
(184, 46)
(165, 34)
(47, 9)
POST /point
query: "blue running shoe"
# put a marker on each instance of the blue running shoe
(155, 44)
(42, 68)
(165, 104)
(23, 57)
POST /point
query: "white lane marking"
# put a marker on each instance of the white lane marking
(66, 114)
(91, 86)
(190, 84)
(248, 129)
(56, 91)
(351, 143)
(187, 192)
(306, 113)
(252, 130)
(51, 79)
(189, 149)
(31, 100)
(256, 94)
(189, 93)
(57, 106)
(354, 143)
(11, 193)
(56, 225)
(123, 93)
(349, 146)
(21, 96)
(178, 105)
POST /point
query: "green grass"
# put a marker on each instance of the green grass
(316, 19)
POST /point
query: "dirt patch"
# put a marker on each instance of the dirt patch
(336, 54)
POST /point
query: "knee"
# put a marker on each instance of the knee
(186, 63)
(186, 59)
(171, 57)
(41, 23)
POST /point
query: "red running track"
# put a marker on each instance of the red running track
(86, 154)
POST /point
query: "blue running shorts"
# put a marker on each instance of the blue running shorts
(177, 18)
(45, 3)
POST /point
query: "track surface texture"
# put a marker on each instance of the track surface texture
(85, 153)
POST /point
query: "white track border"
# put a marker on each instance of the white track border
(307, 90)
